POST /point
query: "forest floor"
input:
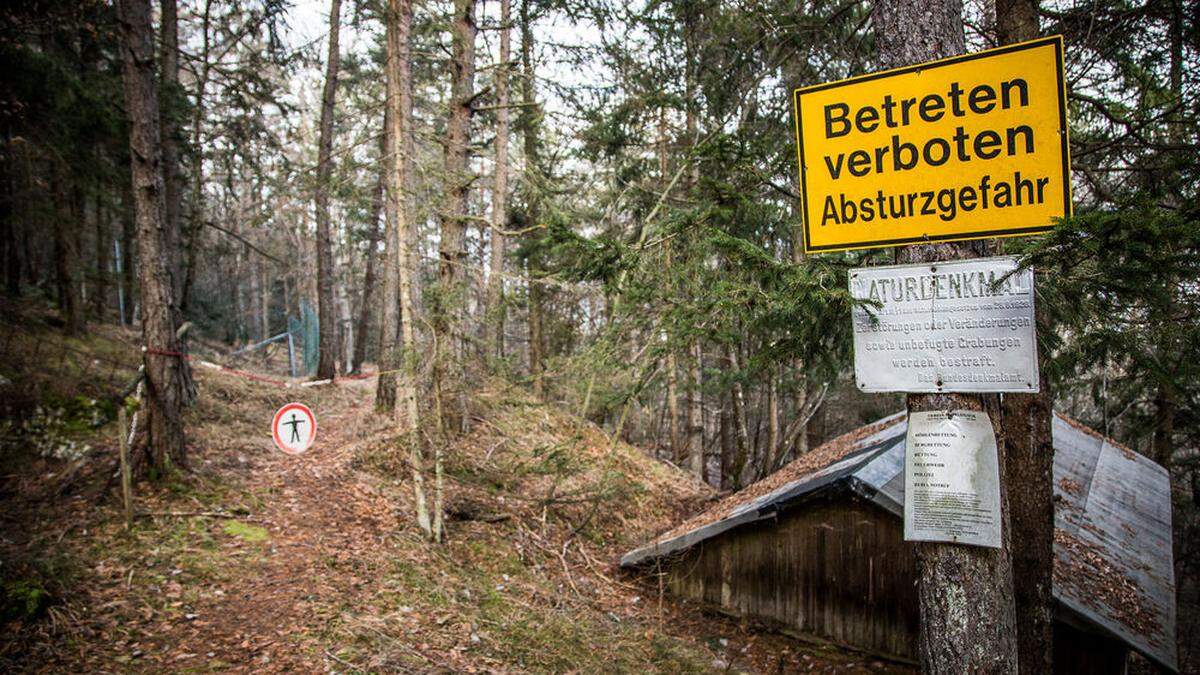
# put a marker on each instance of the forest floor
(258, 561)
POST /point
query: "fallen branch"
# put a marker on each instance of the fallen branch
(199, 514)
(344, 663)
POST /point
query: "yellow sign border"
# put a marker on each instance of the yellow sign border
(1055, 40)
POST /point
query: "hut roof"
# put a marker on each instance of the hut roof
(1113, 568)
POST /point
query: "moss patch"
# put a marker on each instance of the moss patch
(245, 531)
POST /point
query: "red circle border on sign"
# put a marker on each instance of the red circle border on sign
(312, 436)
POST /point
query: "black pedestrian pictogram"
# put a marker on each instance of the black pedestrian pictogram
(294, 423)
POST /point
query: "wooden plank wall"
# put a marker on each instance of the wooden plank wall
(836, 569)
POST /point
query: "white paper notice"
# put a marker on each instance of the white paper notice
(951, 479)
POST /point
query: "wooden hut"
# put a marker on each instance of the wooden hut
(818, 549)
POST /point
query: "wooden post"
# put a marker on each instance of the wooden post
(126, 477)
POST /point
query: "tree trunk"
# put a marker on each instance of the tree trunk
(672, 368)
(1029, 458)
(264, 300)
(531, 131)
(172, 178)
(696, 375)
(741, 432)
(968, 621)
(398, 274)
(536, 319)
(327, 357)
(389, 323)
(198, 214)
(1162, 445)
(771, 455)
(448, 319)
(726, 439)
(103, 244)
(11, 258)
(695, 416)
(128, 237)
(369, 297)
(68, 216)
(165, 370)
(495, 290)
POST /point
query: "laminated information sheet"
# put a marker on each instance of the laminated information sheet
(951, 479)
(966, 326)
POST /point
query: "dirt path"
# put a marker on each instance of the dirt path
(317, 566)
(318, 515)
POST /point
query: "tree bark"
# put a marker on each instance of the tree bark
(327, 358)
(531, 135)
(264, 301)
(1029, 457)
(389, 323)
(369, 297)
(448, 319)
(726, 441)
(103, 245)
(741, 431)
(695, 416)
(68, 216)
(398, 275)
(165, 370)
(495, 290)
(771, 456)
(1016, 21)
(198, 214)
(172, 178)
(968, 620)
(11, 258)
(128, 237)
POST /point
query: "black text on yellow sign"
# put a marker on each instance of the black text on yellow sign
(964, 148)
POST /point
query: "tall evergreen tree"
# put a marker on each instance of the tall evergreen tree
(165, 368)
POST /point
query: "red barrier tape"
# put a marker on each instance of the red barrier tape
(252, 376)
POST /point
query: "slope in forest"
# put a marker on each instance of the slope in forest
(257, 561)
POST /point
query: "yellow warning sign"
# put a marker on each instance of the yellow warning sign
(963, 148)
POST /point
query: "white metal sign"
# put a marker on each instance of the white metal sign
(294, 428)
(951, 479)
(951, 326)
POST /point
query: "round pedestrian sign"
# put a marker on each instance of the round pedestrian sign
(294, 428)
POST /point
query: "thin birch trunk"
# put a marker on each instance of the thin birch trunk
(399, 271)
